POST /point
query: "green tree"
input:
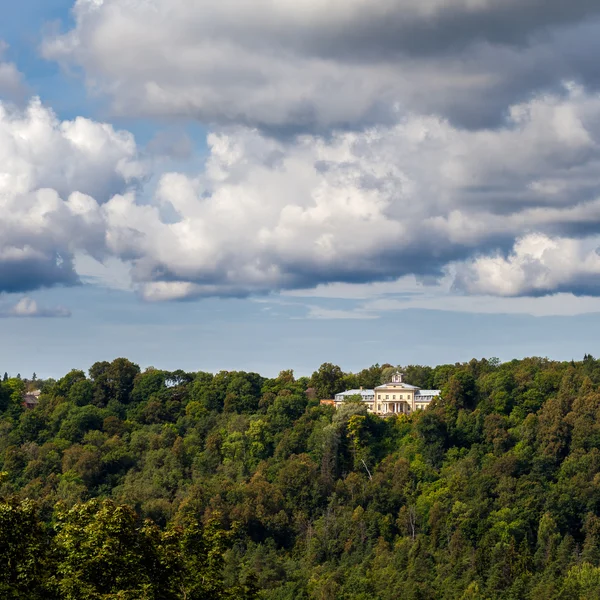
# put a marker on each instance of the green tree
(243, 392)
(195, 557)
(148, 383)
(328, 380)
(63, 386)
(369, 378)
(460, 391)
(81, 393)
(104, 552)
(113, 381)
(80, 420)
(4, 397)
(22, 550)
(433, 434)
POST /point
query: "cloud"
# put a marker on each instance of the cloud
(28, 308)
(414, 198)
(307, 65)
(537, 265)
(439, 298)
(12, 84)
(38, 151)
(318, 312)
(54, 175)
(349, 142)
(419, 197)
(405, 293)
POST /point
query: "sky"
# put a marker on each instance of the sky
(275, 184)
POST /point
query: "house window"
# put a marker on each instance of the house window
(387, 397)
(401, 397)
(378, 396)
(394, 397)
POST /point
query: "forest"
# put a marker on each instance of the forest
(125, 484)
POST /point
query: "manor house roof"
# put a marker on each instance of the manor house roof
(363, 393)
(398, 385)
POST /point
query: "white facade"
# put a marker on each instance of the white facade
(368, 396)
(396, 397)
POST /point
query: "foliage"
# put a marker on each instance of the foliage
(158, 485)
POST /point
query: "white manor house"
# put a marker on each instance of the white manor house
(396, 397)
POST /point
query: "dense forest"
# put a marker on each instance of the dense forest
(123, 484)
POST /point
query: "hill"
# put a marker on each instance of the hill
(158, 485)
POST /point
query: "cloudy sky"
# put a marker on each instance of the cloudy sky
(273, 184)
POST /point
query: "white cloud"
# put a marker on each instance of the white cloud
(413, 198)
(53, 175)
(37, 151)
(319, 312)
(441, 298)
(28, 308)
(352, 143)
(421, 196)
(298, 64)
(538, 264)
(377, 299)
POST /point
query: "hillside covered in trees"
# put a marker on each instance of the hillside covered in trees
(122, 484)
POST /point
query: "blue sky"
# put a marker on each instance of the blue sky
(211, 187)
(22, 27)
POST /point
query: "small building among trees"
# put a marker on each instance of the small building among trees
(31, 399)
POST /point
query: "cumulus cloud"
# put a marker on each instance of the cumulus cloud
(537, 265)
(413, 198)
(421, 197)
(28, 308)
(53, 177)
(349, 142)
(298, 65)
(38, 151)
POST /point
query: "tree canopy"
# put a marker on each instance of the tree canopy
(122, 483)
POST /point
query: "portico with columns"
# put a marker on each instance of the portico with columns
(394, 398)
(399, 397)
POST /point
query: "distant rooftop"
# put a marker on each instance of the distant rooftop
(362, 393)
(398, 384)
(31, 399)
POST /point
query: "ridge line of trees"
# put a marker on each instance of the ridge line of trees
(129, 484)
